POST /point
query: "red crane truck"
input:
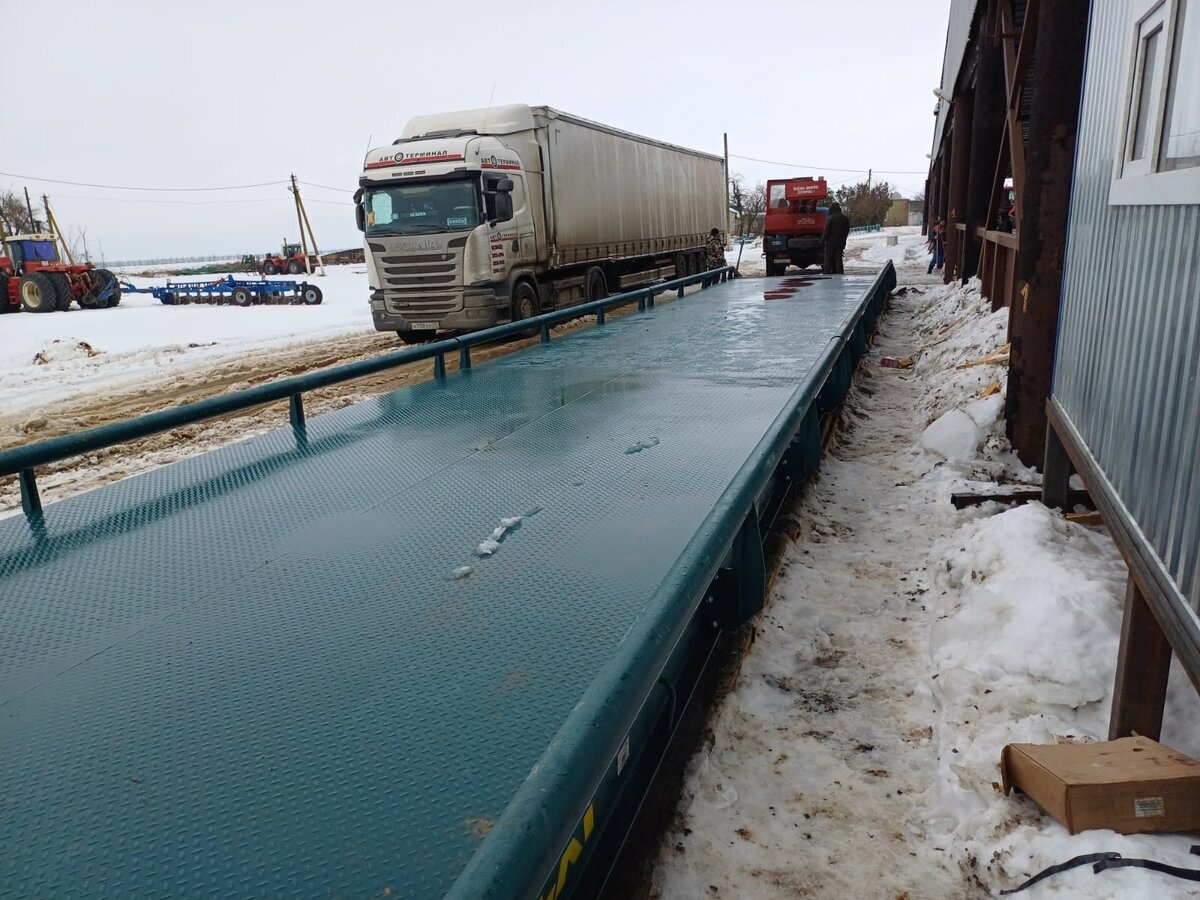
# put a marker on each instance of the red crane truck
(794, 223)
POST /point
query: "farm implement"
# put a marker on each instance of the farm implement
(232, 291)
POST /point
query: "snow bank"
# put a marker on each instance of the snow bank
(1022, 648)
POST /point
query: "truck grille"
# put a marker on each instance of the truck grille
(423, 284)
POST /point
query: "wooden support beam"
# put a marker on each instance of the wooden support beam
(1055, 79)
(1056, 471)
(956, 207)
(1143, 667)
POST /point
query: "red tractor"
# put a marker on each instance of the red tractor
(290, 261)
(794, 223)
(32, 278)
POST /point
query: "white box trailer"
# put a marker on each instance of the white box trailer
(486, 216)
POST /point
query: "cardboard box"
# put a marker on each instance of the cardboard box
(1132, 785)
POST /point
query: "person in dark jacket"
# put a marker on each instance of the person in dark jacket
(837, 229)
(714, 254)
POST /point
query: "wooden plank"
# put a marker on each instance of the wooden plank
(965, 499)
(1143, 667)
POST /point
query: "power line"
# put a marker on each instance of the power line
(118, 187)
(772, 162)
(326, 187)
(172, 202)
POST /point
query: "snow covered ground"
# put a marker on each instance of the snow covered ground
(905, 643)
(863, 251)
(57, 356)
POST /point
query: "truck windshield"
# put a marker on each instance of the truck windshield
(423, 207)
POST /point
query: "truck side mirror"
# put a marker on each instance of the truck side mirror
(360, 214)
(504, 206)
(504, 186)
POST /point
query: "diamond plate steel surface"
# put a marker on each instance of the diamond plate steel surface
(255, 672)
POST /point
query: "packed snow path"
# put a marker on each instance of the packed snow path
(904, 645)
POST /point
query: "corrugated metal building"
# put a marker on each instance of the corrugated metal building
(1097, 109)
(1126, 395)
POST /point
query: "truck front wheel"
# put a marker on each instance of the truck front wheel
(524, 301)
(776, 269)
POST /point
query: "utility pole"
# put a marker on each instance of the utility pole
(869, 171)
(726, 213)
(302, 219)
(52, 224)
(300, 222)
(33, 225)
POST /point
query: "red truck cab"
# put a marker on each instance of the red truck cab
(794, 223)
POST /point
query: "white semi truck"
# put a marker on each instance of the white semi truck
(475, 218)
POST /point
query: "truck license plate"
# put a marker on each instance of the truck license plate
(425, 326)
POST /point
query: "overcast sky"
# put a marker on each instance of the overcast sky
(219, 93)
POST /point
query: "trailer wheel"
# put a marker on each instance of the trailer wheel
(62, 291)
(311, 294)
(168, 299)
(681, 265)
(242, 297)
(295, 267)
(37, 293)
(269, 268)
(597, 285)
(773, 269)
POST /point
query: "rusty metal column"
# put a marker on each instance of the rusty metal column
(1055, 79)
(956, 206)
(987, 131)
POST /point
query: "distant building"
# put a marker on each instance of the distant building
(903, 211)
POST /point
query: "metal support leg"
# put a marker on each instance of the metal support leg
(545, 333)
(1056, 472)
(439, 367)
(641, 304)
(678, 294)
(31, 503)
(296, 411)
(740, 591)
(1143, 664)
(600, 316)
(464, 358)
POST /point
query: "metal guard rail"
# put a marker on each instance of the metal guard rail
(22, 461)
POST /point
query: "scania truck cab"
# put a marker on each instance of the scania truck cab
(442, 217)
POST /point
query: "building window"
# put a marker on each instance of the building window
(1181, 128)
(1159, 157)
